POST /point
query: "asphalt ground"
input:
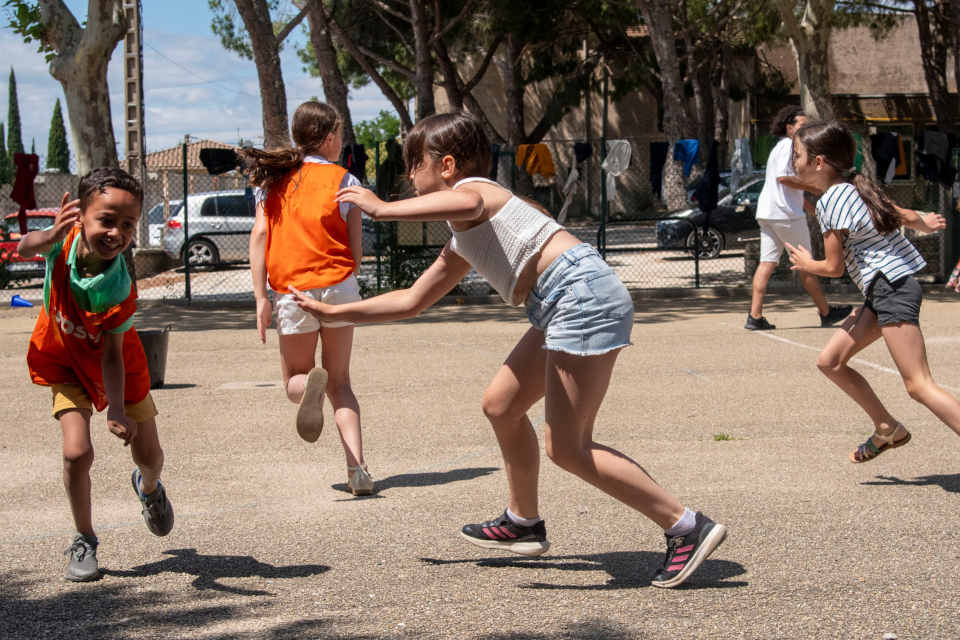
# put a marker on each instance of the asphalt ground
(269, 544)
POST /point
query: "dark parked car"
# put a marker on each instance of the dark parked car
(725, 226)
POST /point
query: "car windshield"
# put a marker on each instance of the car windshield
(34, 223)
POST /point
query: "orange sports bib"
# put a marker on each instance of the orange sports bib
(67, 342)
(307, 242)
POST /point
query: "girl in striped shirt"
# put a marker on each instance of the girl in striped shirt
(861, 232)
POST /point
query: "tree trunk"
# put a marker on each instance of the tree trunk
(658, 15)
(516, 132)
(334, 88)
(810, 38)
(266, 56)
(80, 65)
(934, 43)
(423, 79)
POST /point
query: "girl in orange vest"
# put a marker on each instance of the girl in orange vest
(304, 238)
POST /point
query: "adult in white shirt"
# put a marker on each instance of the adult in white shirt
(781, 214)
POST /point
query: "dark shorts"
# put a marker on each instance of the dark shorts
(895, 302)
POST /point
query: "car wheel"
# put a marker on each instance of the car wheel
(201, 253)
(711, 242)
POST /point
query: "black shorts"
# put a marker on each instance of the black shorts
(895, 302)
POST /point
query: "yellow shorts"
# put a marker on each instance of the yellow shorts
(73, 396)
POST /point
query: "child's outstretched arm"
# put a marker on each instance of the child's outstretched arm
(258, 269)
(446, 271)
(38, 242)
(923, 222)
(111, 364)
(355, 235)
(447, 204)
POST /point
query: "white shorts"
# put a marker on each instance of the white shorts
(773, 233)
(292, 319)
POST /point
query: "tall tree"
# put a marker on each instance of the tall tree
(677, 122)
(78, 57)
(809, 35)
(321, 59)
(5, 177)
(58, 153)
(261, 43)
(14, 135)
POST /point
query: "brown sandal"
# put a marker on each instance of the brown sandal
(868, 451)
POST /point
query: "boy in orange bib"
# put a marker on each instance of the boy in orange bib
(84, 347)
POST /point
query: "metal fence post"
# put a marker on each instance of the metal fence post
(186, 223)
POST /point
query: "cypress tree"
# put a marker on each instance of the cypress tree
(14, 136)
(4, 161)
(33, 146)
(58, 153)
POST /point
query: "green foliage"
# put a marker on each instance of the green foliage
(5, 177)
(386, 126)
(58, 153)
(721, 437)
(14, 136)
(228, 25)
(24, 20)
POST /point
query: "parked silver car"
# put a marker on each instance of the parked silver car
(219, 226)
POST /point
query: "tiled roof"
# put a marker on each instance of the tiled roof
(172, 158)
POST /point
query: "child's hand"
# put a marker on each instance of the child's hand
(308, 303)
(122, 426)
(362, 198)
(933, 221)
(799, 257)
(264, 309)
(68, 216)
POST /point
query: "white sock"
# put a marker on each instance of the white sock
(523, 522)
(684, 525)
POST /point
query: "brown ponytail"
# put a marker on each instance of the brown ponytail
(312, 122)
(835, 144)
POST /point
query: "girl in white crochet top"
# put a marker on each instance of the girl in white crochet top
(581, 316)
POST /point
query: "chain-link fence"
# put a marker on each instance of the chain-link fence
(196, 248)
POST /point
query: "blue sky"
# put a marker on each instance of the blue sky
(192, 85)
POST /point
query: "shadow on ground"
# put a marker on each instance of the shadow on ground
(948, 482)
(405, 480)
(210, 569)
(627, 570)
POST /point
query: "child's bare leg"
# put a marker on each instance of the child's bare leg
(514, 389)
(811, 284)
(77, 460)
(575, 388)
(906, 345)
(147, 455)
(297, 358)
(336, 346)
(856, 333)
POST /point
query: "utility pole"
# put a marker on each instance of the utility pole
(136, 159)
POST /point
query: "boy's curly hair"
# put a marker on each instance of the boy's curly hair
(99, 179)
(786, 115)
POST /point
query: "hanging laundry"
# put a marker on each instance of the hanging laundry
(936, 143)
(883, 147)
(687, 151)
(537, 160)
(707, 192)
(28, 166)
(616, 162)
(741, 163)
(494, 160)
(762, 146)
(582, 151)
(390, 172)
(658, 158)
(858, 158)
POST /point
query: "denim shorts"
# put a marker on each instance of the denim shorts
(895, 302)
(580, 305)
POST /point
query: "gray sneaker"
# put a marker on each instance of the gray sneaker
(758, 324)
(83, 565)
(157, 510)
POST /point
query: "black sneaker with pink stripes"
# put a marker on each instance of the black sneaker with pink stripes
(687, 552)
(503, 533)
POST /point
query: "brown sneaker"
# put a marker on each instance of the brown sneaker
(359, 480)
(310, 413)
